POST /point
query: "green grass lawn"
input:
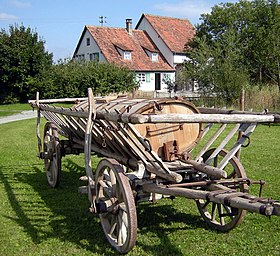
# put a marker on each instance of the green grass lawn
(38, 220)
(7, 110)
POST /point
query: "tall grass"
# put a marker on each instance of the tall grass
(265, 97)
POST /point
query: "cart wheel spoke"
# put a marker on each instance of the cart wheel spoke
(113, 182)
(107, 179)
(113, 227)
(220, 216)
(214, 211)
(220, 210)
(113, 192)
(123, 228)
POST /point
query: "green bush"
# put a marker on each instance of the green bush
(71, 79)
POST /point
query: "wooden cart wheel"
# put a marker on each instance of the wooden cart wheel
(220, 216)
(115, 205)
(52, 154)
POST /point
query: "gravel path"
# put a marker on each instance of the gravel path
(27, 114)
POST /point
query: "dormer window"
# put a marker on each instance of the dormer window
(127, 55)
(154, 56)
(151, 52)
(124, 51)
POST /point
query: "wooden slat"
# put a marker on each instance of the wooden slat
(211, 141)
(245, 135)
(223, 144)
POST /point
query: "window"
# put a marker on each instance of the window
(80, 56)
(127, 55)
(88, 41)
(94, 56)
(141, 77)
(167, 77)
(154, 56)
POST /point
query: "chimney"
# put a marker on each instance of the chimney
(128, 23)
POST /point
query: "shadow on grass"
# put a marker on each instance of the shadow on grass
(63, 214)
(162, 221)
(45, 213)
(22, 219)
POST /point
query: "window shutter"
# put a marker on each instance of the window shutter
(148, 77)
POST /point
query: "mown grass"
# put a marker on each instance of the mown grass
(38, 220)
(7, 110)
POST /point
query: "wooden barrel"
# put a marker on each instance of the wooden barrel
(167, 140)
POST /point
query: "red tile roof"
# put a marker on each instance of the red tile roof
(174, 32)
(109, 38)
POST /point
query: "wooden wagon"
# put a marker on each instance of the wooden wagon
(148, 146)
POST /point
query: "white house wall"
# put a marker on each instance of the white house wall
(178, 58)
(150, 84)
(145, 25)
(88, 49)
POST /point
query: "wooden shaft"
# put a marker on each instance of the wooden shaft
(58, 100)
(186, 118)
(204, 118)
(219, 198)
(210, 170)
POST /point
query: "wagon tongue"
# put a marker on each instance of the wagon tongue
(224, 195)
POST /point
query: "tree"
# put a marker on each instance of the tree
(23, 60)
(235, 44)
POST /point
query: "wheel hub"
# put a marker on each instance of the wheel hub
(109, 206)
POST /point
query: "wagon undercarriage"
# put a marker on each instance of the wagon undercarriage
(154, 149)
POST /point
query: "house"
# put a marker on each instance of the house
(150, 50)
(170, 35)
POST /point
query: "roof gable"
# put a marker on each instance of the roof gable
(174, 32)
(109, 39)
